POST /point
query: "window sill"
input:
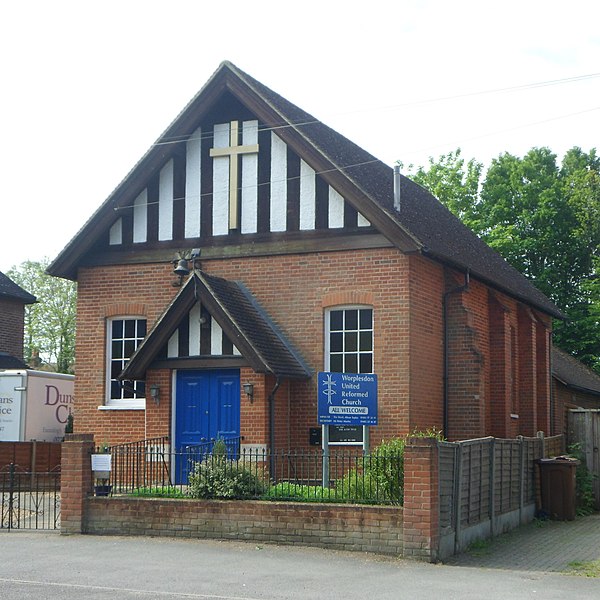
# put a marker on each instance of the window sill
(125, 405)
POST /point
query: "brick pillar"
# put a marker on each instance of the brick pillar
(421, 499)
(76, 480)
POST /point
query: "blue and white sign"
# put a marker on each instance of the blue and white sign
(347, 399)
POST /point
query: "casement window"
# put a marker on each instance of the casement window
(348, 349)
(124, 334)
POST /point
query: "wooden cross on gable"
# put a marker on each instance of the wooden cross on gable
(234, 151)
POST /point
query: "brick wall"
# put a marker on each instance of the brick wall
(467, 334)
(488, 374)
(278, 282)
(333, 526)
(12, 314)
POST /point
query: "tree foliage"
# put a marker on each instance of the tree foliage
(544, 218)
(49, 323)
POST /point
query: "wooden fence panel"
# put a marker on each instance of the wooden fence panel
(31, 456)
(485, 481)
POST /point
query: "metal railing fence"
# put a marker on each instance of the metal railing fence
(154, 468)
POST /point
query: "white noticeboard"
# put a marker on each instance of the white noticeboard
(10, 409)
(101, 462)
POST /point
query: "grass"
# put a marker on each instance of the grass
(480, 547)
(584, 569)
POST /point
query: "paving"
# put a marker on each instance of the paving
(540, 546)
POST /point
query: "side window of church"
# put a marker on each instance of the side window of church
(125, 335)
(350, 337)
(348, 349)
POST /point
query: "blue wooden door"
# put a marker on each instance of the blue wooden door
(207, 408)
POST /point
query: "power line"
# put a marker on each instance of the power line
(516, 88)
(506, 130)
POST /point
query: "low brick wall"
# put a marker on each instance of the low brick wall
(341, 527)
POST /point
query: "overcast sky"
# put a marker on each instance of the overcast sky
(88, 86)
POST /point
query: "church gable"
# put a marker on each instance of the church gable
(198, 334)
(232, 178)
(215, 321)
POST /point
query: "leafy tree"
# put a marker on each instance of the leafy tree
(50, 323)
(454, 183)
(543, 218)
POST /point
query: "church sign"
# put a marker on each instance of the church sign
(347, 399)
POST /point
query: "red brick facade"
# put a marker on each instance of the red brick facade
(12, 314)
(494, 345)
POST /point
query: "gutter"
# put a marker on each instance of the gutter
(271, 401)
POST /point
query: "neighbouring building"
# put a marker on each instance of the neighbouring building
(13, 299)
(574, 386)
(306, 254)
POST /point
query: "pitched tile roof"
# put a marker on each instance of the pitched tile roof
(573, 373)
(240, 316)
(9, 289)
(423, 224)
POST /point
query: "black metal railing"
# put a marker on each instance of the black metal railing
(29, 500)
(153, 468)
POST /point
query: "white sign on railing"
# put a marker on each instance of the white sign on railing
(101, 462)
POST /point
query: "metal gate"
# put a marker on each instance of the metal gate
(29, 500)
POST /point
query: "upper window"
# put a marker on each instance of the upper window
(124, 336)
(349, 340)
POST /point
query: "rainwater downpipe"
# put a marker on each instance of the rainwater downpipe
(456, 290)
(272, 426)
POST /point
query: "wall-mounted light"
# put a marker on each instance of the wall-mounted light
(249, 391)
(155, 393)
(182, 265)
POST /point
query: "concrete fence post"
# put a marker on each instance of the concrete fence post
(76, 480)
(421, 499)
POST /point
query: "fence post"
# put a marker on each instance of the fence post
(521, 441)
(457, 494)
(421, 499)
(76, 480)
(11, 494)
(492, 464)
(540, 435)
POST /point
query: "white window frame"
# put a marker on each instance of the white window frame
(118, 403)
(327, 349)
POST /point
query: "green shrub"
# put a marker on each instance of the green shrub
(584, 483)
(300, 493)
(381, 479)
(361, 486)
(216, 476)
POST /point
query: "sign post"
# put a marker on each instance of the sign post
(346, 399)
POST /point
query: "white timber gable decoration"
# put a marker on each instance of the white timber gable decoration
(199, 334)
(223, 171)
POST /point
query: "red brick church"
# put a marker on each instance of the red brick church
(250, 248)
